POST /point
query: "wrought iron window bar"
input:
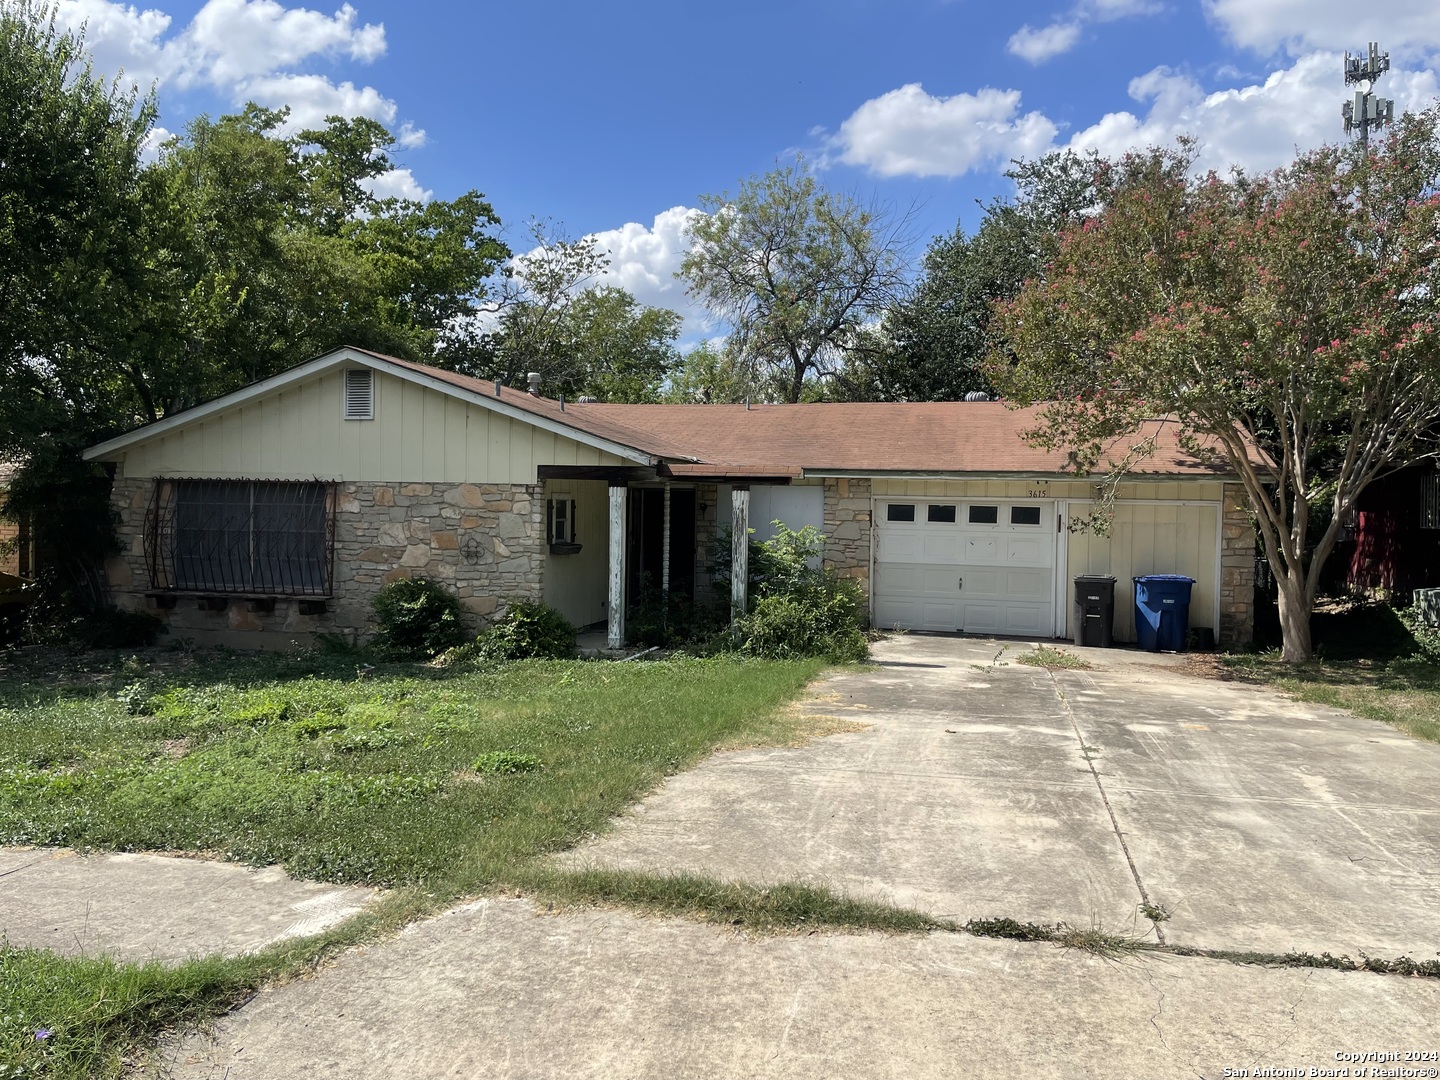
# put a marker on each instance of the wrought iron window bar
(258, 540)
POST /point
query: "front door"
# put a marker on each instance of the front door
(646, 542)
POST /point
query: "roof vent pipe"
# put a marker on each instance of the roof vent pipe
(533, 378)
(497, 387)
(747, 404)
(977, 395)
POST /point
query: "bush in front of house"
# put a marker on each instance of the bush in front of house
(528, 631)
(417, 617)
(801, 609)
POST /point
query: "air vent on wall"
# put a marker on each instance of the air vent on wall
(359, 394)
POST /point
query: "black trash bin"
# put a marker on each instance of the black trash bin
(1095, 611)
(1162, 611)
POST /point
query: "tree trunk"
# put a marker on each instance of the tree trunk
(1294, 620)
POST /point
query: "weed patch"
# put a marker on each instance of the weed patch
(1053, 659)
(770, 908)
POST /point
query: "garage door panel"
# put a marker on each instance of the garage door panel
(1028, 585)
(1037, 550)
(1027, 620)
(982, 549)
(982, 617)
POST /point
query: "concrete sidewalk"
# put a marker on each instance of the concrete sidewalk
(988, 788)
(496, 990)
(150, 907)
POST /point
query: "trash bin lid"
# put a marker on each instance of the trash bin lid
(1164, 577)
(1093, 577)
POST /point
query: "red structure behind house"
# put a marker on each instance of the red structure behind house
(1394, 546)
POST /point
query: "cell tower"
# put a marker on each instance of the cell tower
(1366, 110)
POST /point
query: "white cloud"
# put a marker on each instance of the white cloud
(644, 260)
(397, 184)
(247, 50)
(120, 36)
(1037, 46)
(313, 97)
(1257, 126)
(1408, 28)
(232, 40)
(910, 132)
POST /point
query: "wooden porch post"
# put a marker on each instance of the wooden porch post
(616, 604)
(665, 563)
(739, 549)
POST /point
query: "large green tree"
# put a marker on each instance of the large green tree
(1292, 313)
(795, 272)
(557, 317)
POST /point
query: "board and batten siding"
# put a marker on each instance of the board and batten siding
(418, 436)
(1154, 539)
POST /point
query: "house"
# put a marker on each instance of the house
(278, 511)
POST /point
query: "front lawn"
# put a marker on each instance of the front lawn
(1367, 661)
(437, 784)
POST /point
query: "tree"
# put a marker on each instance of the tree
(709, 375)
(932, 344)
(557, 318)
(69, 180)
(795, 271)
(1292, 313)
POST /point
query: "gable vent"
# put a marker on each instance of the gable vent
(359, 394)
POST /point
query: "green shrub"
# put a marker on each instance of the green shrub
(1427, 637)
(801, 609)
(681, 622)
(417, 617)
(529, 631)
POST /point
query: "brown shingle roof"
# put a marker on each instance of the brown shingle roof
(959, 437)
(981, 437)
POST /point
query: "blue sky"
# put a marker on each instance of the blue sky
(613, 118)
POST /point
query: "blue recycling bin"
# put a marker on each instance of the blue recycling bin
(1162, 611)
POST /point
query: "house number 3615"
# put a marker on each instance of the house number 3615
(1041, 491)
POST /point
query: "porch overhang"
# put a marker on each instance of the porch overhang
(730, 474)
(611, 474)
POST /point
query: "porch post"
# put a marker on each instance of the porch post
(616, 603)
(665, 543)
(739, 548)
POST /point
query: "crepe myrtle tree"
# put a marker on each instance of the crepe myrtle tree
(1286, 324)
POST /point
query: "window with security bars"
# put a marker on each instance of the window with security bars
(1430, 500)
(256, 537)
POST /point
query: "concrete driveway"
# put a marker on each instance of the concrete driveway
(988, 788)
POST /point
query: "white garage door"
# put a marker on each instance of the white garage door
(982, 567)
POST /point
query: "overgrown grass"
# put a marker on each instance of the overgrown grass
(438, 784)
(1367, 661)
(786, 906)
(1053, 659)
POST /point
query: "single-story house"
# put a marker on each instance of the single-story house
(277, 511)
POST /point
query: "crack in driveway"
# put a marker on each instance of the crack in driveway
(1145, 903)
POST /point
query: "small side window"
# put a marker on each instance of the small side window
(900, 512)
(942, 515)
(562, 521)
(984, 515)
(1024, 515)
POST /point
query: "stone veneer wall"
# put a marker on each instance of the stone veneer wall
(484, 541)
(1237, 569)
(847, 529)
(707, 529)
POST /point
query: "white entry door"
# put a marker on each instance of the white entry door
(977, 566)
